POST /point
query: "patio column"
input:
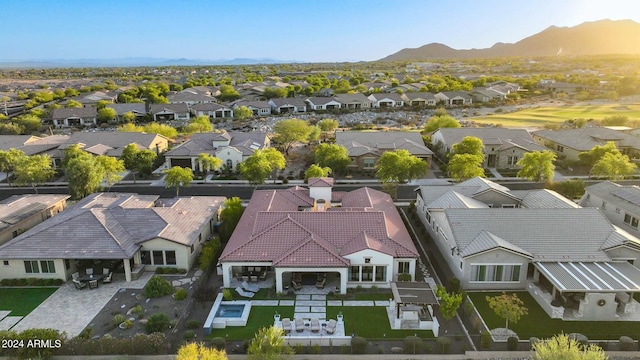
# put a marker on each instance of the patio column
(127, 269)
(226, 272)
(343, 280)
(279, 287)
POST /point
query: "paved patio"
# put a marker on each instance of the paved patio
(70, 310)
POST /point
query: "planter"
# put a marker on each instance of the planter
(276, 318)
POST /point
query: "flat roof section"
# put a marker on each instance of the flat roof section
(591, 276)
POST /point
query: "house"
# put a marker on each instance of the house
(230, 147)
(570, 143)
(259, 108)
(558, 86)
(91, 99)
(573, 261)
(190, 97)
(502, 147)
(323, 103)
(619, 203)
(288, 106)
(212, 110)
(482, 95)
(365, 147)
(170, 112)
(129, 231)
(386, 100)
(353, 101)
(353, 239)
(454, 98)
(419, 99)
(138, 109)
(74, 117)
(32, 145)
(20, 213)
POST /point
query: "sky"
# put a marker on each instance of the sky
(303, 30)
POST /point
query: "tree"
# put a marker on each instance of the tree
(84, 175)
(268, 344)
(469, 145)
(614, 166)
(193, 351)
(143, 161)
(465, 166)
(107, 114)
(74, 104)
(449, 303)
(29, 123)
(9, 159)
(177, 177)
(199, 124)
(537, 166)
(33, 170)
(161, 129)
(228, 93)
(112, 169)
(333, 156)
(328, 125)
(257, 167)
(592, 156)
(288, 132)
(130, 127)
(508, 307)
(315, 171)
(129, 155)
(314, 135)
(242, 112)
(232, 210)
(561, 347)
(399, 165)
(71, 153)
(208, 162)
(129, 117)
(439, 122)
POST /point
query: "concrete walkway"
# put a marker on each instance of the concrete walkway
(70, 310)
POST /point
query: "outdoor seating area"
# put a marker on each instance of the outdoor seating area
(309, 327)
(91, 278)
(252, 273)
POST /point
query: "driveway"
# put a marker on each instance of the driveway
(70, 310)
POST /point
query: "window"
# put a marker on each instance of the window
(480, 273)
(48, 266)
(617, 210)
(560, 148)
(495, 273)
(403, 267)
(367, 260)
(200, 238)
(604, 205)
(158, 259)
(31, 267)
(354, 274)
(512, 160)
(428, 216)
(381, 273)
(631, 220)
(67, 264)
(229, 163)
(14, 233)
(588, 196)
(192, 249)
(171, 257)
(509, 206)
(145, 257)
(367, 273)
(369, 163)
(5, 262)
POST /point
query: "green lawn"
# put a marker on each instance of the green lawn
(537, 323)
(260, 316)
(21, 301)
(545, 115)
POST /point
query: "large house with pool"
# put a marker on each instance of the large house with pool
(319, 237)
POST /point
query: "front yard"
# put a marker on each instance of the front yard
(538, 324)
(21, 301)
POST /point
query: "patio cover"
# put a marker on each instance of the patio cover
(591, 276)
(412, 293)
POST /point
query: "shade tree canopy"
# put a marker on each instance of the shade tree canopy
(290, 131)
(400, 166)
(465, 166)
(33, 170)
(614, 166)
(315, 171)
(440, 120)
(469, 145)
(257, 167)
(178, 177)
(334, 156)
(537, 166)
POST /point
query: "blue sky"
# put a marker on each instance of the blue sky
(304, 30)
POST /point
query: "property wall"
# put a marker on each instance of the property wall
(16, 270)
(592, 311)
(376, 259)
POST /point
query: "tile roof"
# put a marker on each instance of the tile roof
(108, 226)
(121, 109)
(584, 139)
(390, 96)
(190, 96)
(297, 102)
(363, 142)
(626, 197)
(210, 106)
(104, 141)
(65, 113)
(490, 136)
(19, 207)
(321, 100)
(245, 142)
(171, 108)
(321, 182)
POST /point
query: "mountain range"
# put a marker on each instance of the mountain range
(135, 61)
(589, 38)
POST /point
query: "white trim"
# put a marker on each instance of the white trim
(623, 275)
(548, 274)
(563, 266)
(598, 277)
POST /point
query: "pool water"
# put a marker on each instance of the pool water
(230, 311)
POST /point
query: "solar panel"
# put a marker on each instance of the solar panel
(630, 196)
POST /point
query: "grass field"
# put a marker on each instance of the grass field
(538, 117)
(537, 323)
(21, 301)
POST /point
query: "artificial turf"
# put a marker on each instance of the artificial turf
(21, 301)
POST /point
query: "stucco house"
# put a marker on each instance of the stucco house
(138, 109)
(385, 100)
(619, 203)
(20, 213)
(323, 103)
(230, 147)
(572, 260)
(570, 143)
(366, 147)
(352, 239)
(128, 231)
(353, 101)
(212, 110)
(170, 112)
(259, 107)
(419, 99)
(288, 105)
(190, 97)
(454, 98)
(502, 147)
(74, 117)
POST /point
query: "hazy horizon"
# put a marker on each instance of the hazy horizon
(306, 31)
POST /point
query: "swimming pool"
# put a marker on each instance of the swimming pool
(230, 311)
(227, 313)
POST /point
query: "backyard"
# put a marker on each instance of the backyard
(538, 324)
(21, 301)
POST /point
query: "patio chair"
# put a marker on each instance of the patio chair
(105, 271)
(75, 275)
(254, 278)
(245, 277)
(286, 325)
(79, 284)
(321, 283)
(248, 294)
(295, 285)
(253, 288)
(89, 271)
(299, 325)
(263, 275)
(315, 325)
(107, 278)
(93, 284)
(331, 326)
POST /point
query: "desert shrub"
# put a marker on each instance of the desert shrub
(454, 284)
(404, 277)
(298, 349)
(31, 352)
(412, 345)
(209, 253)
(316, 349)
(580, 338)
(626, 343)
(485, 340)
(444, 344)
(157, 287)
(204, 293)
(160, 270)
(128, 324)
(193, 324)
(156, 323)
(359, 345)
(86, 333)
(467, 308)
(180, 294)
(136, 309)
(219, 343)
(189, 334)
(512, 343)
(118, 319)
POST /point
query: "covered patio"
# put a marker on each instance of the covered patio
(412, 307)
(587, 291)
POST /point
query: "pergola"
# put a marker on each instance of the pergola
(412, 293)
